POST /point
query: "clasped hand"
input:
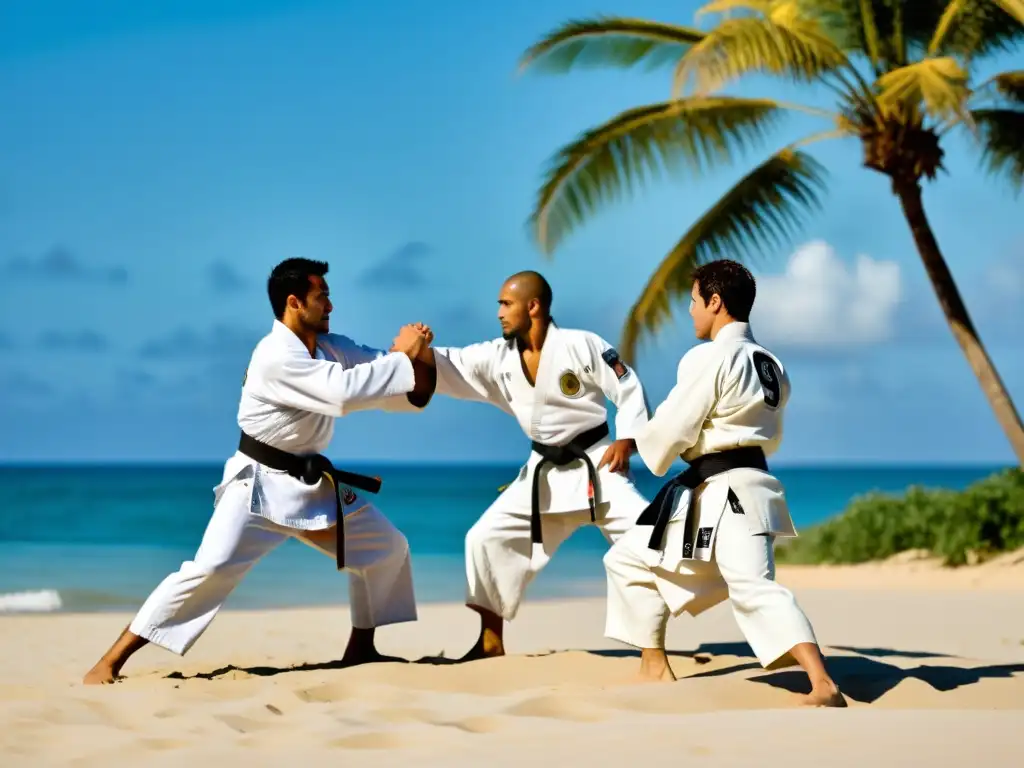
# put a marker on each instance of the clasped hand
(412, 340)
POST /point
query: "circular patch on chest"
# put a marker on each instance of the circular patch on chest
(570, 384)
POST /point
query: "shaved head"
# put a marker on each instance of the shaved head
(525, 299)
(529, 285)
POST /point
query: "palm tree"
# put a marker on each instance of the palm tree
(901, 75)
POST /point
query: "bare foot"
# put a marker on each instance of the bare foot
(824, 695)
(654, 667)
(488, 646)
(101, 674)
(353, 657)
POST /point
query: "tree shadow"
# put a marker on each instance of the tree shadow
(866, 680)
(883, 652)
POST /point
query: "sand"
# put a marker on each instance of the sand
(931, 661)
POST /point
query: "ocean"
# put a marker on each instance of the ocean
(98, 538)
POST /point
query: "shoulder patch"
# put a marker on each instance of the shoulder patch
(611, 357)
(770, 377)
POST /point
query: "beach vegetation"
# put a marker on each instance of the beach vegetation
(959, 527)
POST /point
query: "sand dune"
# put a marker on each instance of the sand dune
(933, 676)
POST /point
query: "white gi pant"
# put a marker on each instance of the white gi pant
(641, 596)
(501, 560)
(376, 557)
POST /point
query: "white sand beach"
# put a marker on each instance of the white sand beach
(931, 661)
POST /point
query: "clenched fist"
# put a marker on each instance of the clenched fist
(410, 341)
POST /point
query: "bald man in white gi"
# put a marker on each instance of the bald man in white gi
(556, 382)
(278, 485)
(708, 535)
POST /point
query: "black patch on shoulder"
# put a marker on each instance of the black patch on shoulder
(734, 503)
(704, 537)
(770, 377)
(611, 357)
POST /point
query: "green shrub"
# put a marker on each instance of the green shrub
(984, 519)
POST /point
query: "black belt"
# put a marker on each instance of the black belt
(309, 469)
(659, 511)
(560, 455)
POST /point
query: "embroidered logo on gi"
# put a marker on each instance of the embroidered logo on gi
(704, 537)
(734, 503)
(570, 384)
(770, 377)
(348, 495)
(611, 357)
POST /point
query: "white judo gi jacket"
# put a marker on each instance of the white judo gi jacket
(729, 393)
(290, 401)
(577, 372)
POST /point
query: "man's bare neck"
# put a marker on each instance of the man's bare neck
(534, 340)
(306, 336)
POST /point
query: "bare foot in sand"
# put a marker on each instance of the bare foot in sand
(101, 674)
(488, 646)
(361, 649)
(824, 695)
(654, 667)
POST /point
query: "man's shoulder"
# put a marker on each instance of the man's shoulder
(582, 336)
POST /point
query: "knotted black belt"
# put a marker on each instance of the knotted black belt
(560, 455)
(309, 469)
(659, 511)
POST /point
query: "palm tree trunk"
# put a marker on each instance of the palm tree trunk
(960, 324)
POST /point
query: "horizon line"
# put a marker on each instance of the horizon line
(401, 463)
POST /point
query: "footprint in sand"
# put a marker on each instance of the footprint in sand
(559, 708)
(481, 724)
(241, 724)
(373, 740)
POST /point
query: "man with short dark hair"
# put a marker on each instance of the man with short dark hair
(556, 382)
(708, 535)
(278, 485)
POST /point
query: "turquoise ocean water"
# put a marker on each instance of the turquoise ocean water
(103, 536)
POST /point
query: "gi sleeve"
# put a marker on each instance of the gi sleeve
(353, 353)
(331, 388)
(467, 373)
(677, 422)
(621, 385)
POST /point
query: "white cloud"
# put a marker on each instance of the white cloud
(822, 301)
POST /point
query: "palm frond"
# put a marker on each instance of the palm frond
(610, 42)
(763, 209)
(1004, 87)
(1001, 136)
(937, 86)
(906, 28)
(1000, 126)
(789, 46)
(695, 133)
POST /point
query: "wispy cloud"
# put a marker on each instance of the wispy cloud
(73, 341)
(399, 269)
(224, 278)
(59, 263)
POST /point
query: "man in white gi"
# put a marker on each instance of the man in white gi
(555, 381)
(709, 533)
(278, 485)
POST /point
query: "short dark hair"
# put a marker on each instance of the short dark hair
(291, 278)
(732, 282)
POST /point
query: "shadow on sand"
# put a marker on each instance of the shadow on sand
(862, 676)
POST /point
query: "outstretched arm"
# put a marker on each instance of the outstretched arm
(467, 373)
(676, 424)
(424, 375)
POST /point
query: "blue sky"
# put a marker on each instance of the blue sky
(158, 158)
